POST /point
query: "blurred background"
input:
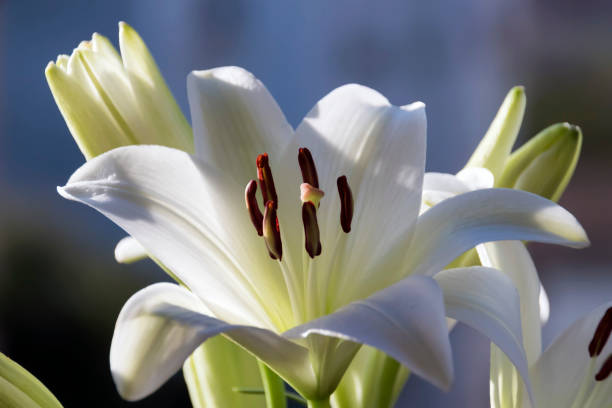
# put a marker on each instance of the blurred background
(60, 288)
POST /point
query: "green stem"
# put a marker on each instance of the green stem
(319, 403)
(274, 387)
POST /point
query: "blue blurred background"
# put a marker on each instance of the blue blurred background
(60, 289)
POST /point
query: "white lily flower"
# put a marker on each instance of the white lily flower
(107, 101)
(573, 372)
(544, 165)
(303, 305)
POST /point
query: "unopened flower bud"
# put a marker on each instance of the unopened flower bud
(495, 146)
(545, 164)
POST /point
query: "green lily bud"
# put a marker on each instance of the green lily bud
(110, 100)
(494, 148)
(216, 369)
(545, 164)
(19, 388)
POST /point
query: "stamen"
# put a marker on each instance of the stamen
(253, 207)
(266, 182)
(309, 171)
(602, 333)
(311, 229)
(605, 370)
(346, 204)
(310, 193)
(271, 231)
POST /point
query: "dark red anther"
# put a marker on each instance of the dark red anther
(602, 333)
(253, 207)
(346, 204)
(271, 231)
(266, 182)
(605, 369)
(311, 229)
(307, 166)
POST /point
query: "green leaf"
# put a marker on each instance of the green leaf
(20, 389)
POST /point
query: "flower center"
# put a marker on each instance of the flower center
(267, 225)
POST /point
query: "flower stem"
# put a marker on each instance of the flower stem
(324, 403)
(274, 387)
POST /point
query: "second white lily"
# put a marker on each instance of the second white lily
(302, 285)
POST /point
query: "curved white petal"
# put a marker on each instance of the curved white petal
(476, 177)
(355, 131)
(486, 300)
(128, 250)
(455, 225)
(561, 370)
(406, 321)
(445, 182)
(544, 306)
(437, 187)
(513, 260)
(191, 219)
(234, 119)
(161, 325)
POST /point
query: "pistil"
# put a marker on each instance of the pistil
(310, 195)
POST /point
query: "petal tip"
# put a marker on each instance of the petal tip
(414, 106)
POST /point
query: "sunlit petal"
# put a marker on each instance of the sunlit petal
(355, 131)
(161, 325)
(129, 250)
(406, 321)
(191, 219)
(486, 300)
(460, 223)
(234, 119)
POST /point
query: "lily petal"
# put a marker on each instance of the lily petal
(406, 321)
(455, 225)
(560, 372)
(445, 182)
(476, 177)
(513, 259)
(128, 250)
(355, 131)
(191, 219)
(486, 300)
(235, 119)
(544, 306)
(161, 325)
